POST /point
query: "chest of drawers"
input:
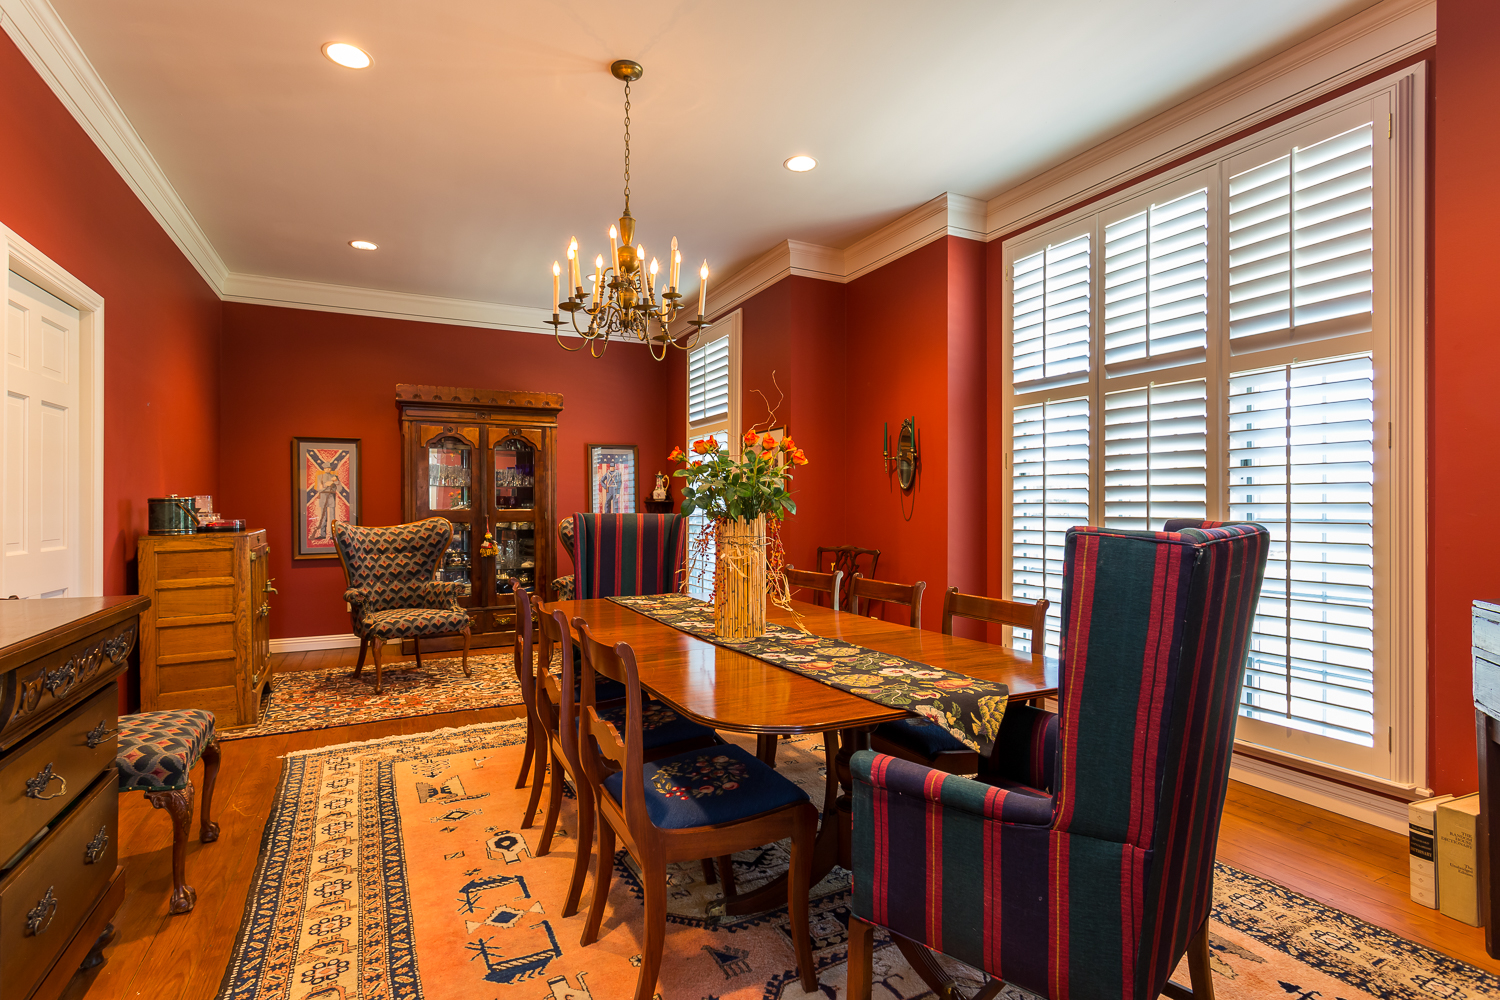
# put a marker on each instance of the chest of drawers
(59, 803)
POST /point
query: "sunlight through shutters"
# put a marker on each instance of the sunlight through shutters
(1050, 313)
(1155, 455)
(1049, 495)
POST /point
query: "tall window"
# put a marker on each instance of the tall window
(713, 410)
(1217, 344)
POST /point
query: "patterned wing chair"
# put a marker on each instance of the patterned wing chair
(1083, 867)
(619, 555)
(392, 593)
(562, 587)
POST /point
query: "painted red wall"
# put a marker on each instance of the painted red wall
(161, 320)
(816, 416)
(294, 372)
(1464, 466)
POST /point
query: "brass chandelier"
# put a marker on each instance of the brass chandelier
(623, 301)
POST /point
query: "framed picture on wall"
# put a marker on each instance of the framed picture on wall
(611, 478)
(325, 490)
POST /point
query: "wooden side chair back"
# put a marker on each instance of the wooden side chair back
(708, 802)
(819, 583)
(863, 590)
(847, 559)
(1017, 614)
(536, 736)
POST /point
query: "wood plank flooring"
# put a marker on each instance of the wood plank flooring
(1342, 863)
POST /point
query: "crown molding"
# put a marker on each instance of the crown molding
(55, 54)
(290, 293)
(945, 215)
(1353, 48)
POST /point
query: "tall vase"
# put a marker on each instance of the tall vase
(740, 579)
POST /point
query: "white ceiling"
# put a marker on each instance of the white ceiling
(486, 133)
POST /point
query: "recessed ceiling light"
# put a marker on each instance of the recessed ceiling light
(351, 56)
(800, 163)
(363, 245)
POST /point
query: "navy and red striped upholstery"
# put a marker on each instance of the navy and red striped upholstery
(1095, 889)
(624, 555)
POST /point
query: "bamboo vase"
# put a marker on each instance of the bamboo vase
(740, 579)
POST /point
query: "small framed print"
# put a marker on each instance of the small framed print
(611, 478)
(325, 491)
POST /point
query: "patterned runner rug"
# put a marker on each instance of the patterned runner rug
(321, 699)
(394, 869)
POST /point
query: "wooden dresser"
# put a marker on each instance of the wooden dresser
(59, 791)
(206, 640)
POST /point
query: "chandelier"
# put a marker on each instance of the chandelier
(623, 301)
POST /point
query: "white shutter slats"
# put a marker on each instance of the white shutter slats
(1050, 314)
(1301, 244)
(1302, 463)
(1155, 455)
(1156, 283)
(708, 381)
(1049, 495)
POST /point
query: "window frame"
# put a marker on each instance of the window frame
(730, 327)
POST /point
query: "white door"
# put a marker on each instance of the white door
(39, 531)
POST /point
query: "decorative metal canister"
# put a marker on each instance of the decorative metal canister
(173, 515)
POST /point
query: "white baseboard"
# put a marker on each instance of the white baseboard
(300, 643)
(1355, 803)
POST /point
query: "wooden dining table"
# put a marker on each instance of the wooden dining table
(734, 692)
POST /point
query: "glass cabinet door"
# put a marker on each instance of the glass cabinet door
(457, 563)
(515, 475)
(450, 474)
(516, 555)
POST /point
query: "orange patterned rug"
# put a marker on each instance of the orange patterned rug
(395, 869)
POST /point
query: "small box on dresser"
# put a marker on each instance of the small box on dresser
(59, 711)
(206, 641)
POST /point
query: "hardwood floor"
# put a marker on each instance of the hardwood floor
(1339, 862)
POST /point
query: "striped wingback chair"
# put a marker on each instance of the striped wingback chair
(392, 593)
(620, 555)
(1084, 866)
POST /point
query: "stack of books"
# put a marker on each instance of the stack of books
(1444, 855)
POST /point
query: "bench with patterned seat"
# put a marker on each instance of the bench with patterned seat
(157, 751)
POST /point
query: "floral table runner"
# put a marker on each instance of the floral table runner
(969, 708)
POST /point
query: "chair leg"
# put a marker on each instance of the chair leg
(554, 805)
(710, 877)
(585, 850)
(416, 647)
(861, 959)
(208, 830)
(765, 748)
(466, 633)
(364, 647)
(604, 870)
(726, 874)
(179, 805)
(804, 832)
(654, 883)
(538, 777)
(531, 744)
(375, 646)
(1200, 974)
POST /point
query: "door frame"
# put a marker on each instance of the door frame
(36, 267)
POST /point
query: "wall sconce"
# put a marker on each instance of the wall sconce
(908, 453)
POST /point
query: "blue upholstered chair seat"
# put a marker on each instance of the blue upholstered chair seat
(921, 736)
(414, 622)
(660, 726)
(158, 749)
(707, 787)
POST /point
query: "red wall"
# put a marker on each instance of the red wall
(161, 320)
(296, 373)
(1464, 467)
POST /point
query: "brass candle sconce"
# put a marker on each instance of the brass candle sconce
(904, 459)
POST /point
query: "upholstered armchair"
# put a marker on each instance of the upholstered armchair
(620, 555)
(392, 593)
(1083, 865)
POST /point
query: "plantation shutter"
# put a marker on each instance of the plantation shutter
(708, 381)
(1049, 495)
(1156, 283)
(1050, 313)
(1301, 244)
(1155, 455)
(1301, 456)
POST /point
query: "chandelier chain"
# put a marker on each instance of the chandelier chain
(627, 145)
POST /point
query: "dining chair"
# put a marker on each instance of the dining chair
(1155, 633)
(846, 559)
(928, 744)
(863, 590)
(523, 661)
(818, 583)
(557, 698)
(621, 555)
(712, 801)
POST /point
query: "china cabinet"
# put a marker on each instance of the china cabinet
(485, 460)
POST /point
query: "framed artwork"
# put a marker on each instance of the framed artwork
(611, 478)
(325, 490)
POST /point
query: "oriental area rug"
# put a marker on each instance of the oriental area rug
(396, 869)
(322, 699)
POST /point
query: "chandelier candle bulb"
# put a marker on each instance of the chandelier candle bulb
(598, 278)
(556, 278)
(577, 279)
(672, 266)
(614, 249)
(653, 279)
(702, 288)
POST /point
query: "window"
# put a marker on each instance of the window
(1222, 343)
(713, 410)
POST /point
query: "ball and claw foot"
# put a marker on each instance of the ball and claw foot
(184, 898)
(95, 957)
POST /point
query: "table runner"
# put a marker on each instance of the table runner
(967, 707)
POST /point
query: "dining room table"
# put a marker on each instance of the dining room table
(737, 693)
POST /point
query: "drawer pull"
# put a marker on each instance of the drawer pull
(96, 847)
(118, 647)
(40, 916)
(35, 786)
(98, 735)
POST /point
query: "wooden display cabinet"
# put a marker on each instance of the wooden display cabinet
(486, 460)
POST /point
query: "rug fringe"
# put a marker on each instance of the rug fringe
(402, 736)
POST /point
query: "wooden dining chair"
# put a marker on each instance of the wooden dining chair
(709, 802)
(863, 590)
(536, 738)
(930, 745)
(557, 701)
(847, 559)
(818, 583)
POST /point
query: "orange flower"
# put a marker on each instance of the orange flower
(799, 457)
(677, 455)
(768, 443)
(787, 444)
(713, 446)
(704, 446)
(750, 437)
(695, 465)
